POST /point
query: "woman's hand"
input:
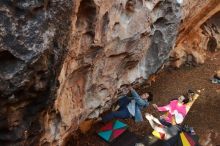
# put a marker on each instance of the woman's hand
(155, 106)
(148, 116)
(130, 87)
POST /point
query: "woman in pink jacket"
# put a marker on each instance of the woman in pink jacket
(176, 108)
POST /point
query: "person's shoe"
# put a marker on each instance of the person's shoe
(148, 116)
(215, 80)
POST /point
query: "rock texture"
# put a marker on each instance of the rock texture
(33, 40)
(113, 43)
(199, 32)
(63, 61)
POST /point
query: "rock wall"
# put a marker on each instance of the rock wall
(33, 40)
(63, 61)
(198, 34)
(113, 43)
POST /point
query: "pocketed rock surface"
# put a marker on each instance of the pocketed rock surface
(62, 61)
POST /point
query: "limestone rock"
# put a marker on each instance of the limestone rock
(199, 33)
(64, 61)
(33, 39)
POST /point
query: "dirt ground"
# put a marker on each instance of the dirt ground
(204, 115)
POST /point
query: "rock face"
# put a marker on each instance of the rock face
(63, 61)
(33, 40)
(113, 44)
(199, 33)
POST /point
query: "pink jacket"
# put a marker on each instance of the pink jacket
(173, 110)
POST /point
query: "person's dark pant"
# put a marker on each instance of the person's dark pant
(164, 122)
(122, 113)
(123, 102)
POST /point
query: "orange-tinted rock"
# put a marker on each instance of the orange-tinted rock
(199, 32)
(65, 61)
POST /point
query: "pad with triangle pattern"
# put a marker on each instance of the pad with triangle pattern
(112, 130)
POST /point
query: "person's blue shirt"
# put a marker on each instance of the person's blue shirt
(135, 106)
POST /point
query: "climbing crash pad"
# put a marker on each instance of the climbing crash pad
(112, 130)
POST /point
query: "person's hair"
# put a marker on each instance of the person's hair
(150, 97)
(186, 99)
(190, 91)
(188, 96)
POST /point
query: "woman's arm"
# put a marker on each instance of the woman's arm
(164, 108)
